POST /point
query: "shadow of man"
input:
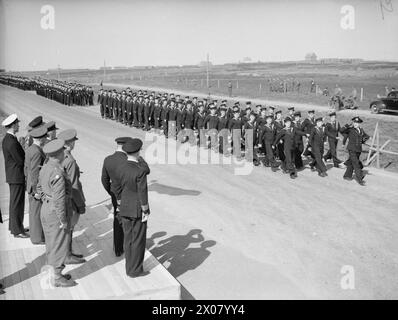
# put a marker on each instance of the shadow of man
(176, 251)
(171, 191)
(190, 259)
(150, 242)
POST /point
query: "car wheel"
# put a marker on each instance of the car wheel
(374, 108)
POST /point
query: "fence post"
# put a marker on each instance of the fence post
(361, 94)
(260, 87)
(378, 149)
(237, 84)
(218, 83)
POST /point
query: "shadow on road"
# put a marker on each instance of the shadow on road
(170, 190)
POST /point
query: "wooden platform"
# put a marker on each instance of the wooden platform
(101, 277)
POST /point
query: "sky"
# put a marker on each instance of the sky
(180, 32)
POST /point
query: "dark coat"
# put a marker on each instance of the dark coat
(133, 182)
(332, 130)
(355, 138)
(317, 138)
(110, 177)
(288, 137)
(14, 159)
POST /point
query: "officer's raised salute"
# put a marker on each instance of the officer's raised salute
(356, 137)
(55, 191)
(134, 208)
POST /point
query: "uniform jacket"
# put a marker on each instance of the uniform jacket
(268, 134)
(308, 124)
(288, 137)
(355, 138)
(134, 188)
(34, 159)
(14, 159)
(73, 174)
(332, 130)
(54, 188)
(110, 177)
(317, 137)
(212, 121)
(199, 120)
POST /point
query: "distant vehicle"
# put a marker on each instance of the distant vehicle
(389, 103)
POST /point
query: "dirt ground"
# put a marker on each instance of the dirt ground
(259, 236)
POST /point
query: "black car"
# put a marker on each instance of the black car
(389, 103)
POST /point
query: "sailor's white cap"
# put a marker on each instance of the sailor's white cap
(10, 120)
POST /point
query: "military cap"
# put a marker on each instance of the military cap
(51, 126)
(189, 102)
(212, 106)
(237, 103)
(223, 108)
(186, 97)
(248, 108)
(311, 111)
(39, 132)
(319, 119)
(200, 103)
(10, 120)
(235, 108)
(38, 121)
(269, 116)
(195, 98)
(235, 111)
(272, 107)
(215, 100)
(54, 147)
(122, 140)
(205, 99)
(288, 119)
(224, 101)
(357, 120)
(132, 145)
(68, 135)
(253, 114)
(248, 102)
(332, 114)
(297, 114)
(263, 108)
(290, 108)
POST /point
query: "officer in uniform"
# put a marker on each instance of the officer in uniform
(55, 191)
(332, 130)
(14, 159)
(110, 181)
(316, 141)
(78, 201)
(134, 208)
(34, 159)
(356, 137)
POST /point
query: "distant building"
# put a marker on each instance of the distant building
(310, 57)
(247, 60)
(204, 64)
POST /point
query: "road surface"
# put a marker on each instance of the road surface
(256, 236)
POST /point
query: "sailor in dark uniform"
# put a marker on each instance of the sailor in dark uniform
(356, 137)
(14, 159)
(134, 207)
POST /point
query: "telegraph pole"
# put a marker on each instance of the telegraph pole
(207, 72)
(104, 70)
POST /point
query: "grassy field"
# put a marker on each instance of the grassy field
(254, 79)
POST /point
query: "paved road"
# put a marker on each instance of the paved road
(271, 237)
(284, 104)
